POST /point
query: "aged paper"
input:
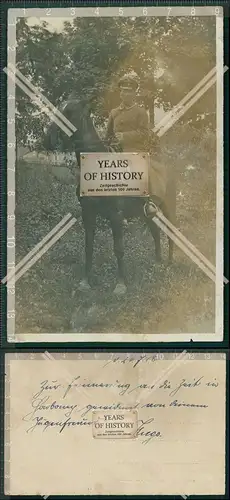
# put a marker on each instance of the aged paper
(115, 424)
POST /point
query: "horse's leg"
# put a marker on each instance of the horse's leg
(171, 248)
(156, 234)
(116, 221)
(171, 245)
(89, 221)
(169, 208)
(154, 229)
(171, 219)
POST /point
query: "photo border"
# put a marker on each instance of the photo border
(218, 336)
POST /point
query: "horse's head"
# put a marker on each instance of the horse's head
(84, 138)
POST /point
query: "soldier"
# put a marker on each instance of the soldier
(129, 123)
(128, 127)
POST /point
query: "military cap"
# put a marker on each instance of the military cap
(128, 82)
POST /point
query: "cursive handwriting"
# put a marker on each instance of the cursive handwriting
(47, 386)
(142, 431)
(46, 424)
(179, 404)
(167, 385)
(144, 358)
(148, 434)
(123, 387)
(39, 405)
(65, 406)
(114, 406)
(188, 384)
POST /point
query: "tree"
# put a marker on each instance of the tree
(88, 57)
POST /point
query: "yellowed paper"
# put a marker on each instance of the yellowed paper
(133, 424)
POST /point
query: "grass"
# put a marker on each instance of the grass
(160, 299)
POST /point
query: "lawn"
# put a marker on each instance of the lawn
(160, 299)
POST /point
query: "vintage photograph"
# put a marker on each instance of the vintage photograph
(118, 175)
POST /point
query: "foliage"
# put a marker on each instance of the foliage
(160, 298)
(89, 56)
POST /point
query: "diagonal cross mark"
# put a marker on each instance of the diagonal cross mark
(181, 108)
(36, 248)
(180, 240)
(39, 250)
(36, 96)
(48, 356)
(185, 99)
(180, 359)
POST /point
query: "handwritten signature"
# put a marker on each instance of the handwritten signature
(148, 434)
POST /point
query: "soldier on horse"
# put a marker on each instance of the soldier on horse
(128, 126)
(129, 122)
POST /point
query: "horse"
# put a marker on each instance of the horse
(115, 209)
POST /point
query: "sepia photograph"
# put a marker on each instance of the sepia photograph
(115, 175)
